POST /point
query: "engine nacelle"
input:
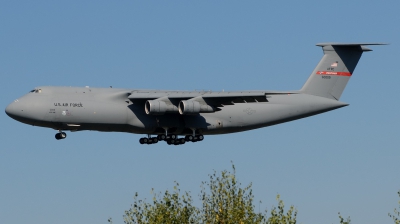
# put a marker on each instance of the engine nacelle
(155, 107)
(159, 107)
(193, 107)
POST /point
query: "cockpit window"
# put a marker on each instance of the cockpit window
(36, 91)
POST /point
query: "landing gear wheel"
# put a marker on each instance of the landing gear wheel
(172, 136)
(60, 135)
(154, 139)
(200, 137)
(181, 141)
(189, 138)
(162, 137)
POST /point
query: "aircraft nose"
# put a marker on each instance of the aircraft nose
(13, 110)
(21, 110)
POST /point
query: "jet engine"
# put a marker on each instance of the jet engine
(193, 107)
(155, 107)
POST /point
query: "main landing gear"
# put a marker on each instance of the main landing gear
(61, 135)
(171, 139)
(148, 140)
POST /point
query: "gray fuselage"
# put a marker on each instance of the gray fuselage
(109, 109)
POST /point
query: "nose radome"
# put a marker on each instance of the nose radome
(12, 110)
(20, 111)
(9, 109)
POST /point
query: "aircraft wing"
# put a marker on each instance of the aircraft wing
(212, 98)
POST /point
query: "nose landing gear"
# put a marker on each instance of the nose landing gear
(61, 135)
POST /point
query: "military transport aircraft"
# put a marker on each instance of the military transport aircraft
(186, 116)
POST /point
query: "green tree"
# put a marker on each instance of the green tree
(226, 202)
(223, 199)
(171, 208)
(342, 221)
(396, 215)
(278, 216)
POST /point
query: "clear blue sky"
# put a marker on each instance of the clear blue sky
(343, 161)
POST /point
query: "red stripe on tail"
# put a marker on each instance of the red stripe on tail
(333, 73)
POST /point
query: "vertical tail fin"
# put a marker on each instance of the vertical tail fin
(332, 73)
